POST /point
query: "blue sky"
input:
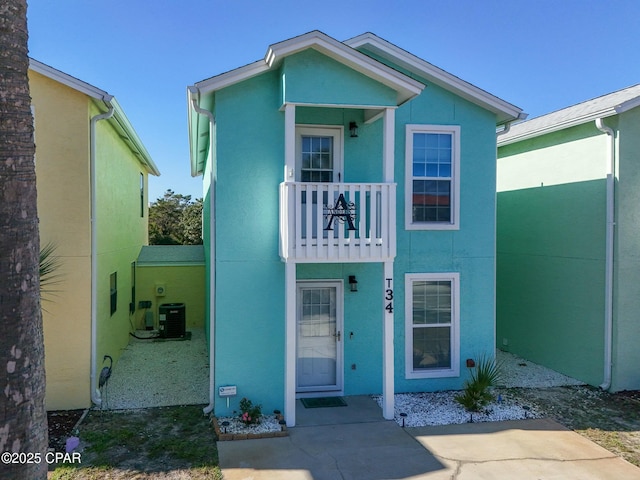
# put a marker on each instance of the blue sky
(540, 55)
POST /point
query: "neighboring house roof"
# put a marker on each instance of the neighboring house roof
(505, 112)
(600, 107)
(177, 255)
(119, 120)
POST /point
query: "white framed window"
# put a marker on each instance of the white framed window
(432, 325)
(319, 153)
(432, 180)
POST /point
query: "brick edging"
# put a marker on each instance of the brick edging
(225, 437)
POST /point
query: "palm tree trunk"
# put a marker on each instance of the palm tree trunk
(23, 418)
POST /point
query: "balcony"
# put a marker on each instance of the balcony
(337, 222)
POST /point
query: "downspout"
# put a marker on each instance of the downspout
(608, 282)
(212, 255)
(96, 397)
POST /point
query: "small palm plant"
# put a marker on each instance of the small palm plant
(49, 265)
(477, 393)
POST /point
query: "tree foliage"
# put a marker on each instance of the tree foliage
(175, 219)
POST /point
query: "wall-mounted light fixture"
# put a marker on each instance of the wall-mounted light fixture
(353, 283)
(353, 128)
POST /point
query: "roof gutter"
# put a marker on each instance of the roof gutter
(609, 252)
(96, 397)
(194, 94)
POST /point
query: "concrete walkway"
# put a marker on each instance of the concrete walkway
(354, 442)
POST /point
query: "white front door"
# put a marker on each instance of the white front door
(319, 337)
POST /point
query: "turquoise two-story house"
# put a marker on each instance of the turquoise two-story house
(350, 196)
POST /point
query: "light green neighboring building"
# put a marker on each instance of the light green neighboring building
(568, 240)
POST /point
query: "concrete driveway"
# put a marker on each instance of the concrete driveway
(356, 443)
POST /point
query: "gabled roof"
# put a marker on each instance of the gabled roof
(119, 120)
(177, 255)
(405, 86)
(600, 107)
(505, 112)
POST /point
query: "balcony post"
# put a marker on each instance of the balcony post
(289, 142)
(388, 389)
(388, 143)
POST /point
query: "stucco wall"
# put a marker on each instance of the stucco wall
(183, 284)
(626, 358)
(469, 251)
(62, 152)
(121, 231)
(550, 248)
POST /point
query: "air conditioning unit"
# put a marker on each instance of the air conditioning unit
(172, 320)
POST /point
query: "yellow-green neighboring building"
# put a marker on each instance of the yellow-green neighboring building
(92, 175)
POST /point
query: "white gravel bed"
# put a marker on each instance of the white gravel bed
(440, 408)
(267, 424)
(160, 373)
(518, 372)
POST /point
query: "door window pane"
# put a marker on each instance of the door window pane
(317, 159)
(431, 348)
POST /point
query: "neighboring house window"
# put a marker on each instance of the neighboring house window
(141, 195)
(113, 292)
(132, 305)
(432, 177)
(432, 333)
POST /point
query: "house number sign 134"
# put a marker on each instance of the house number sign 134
(388, 297)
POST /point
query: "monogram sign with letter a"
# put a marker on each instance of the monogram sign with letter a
(342, 211)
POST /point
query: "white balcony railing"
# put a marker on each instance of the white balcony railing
(337, 222)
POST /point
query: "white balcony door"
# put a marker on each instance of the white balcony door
(318, 160)
(319, 154)
(319, 337)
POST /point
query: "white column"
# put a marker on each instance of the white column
(388, 389)
(290, 344)
(388, 162)
(289, 142)
(388, 143)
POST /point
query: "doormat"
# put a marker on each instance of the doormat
(322, 402)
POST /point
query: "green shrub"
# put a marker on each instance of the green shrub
(477, 393)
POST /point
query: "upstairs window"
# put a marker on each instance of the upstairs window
(432, 177)
(141, 195)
